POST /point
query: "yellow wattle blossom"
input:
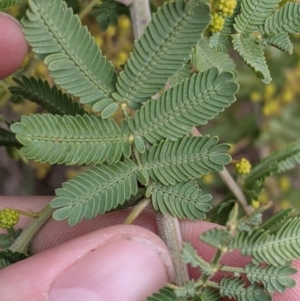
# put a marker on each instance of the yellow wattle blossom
(243, 167)
(255, 96)
(8, 218)
(216, 23)
(284, 183)
(226, 7)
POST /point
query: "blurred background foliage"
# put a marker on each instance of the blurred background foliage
(264, 117)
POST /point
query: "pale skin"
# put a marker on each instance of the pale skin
(99, 259)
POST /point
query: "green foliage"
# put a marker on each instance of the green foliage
(273, 278)
(95, 191)
(269, 248)
(162, 50)
(184, 159)
(7, 239)
(8, 257)
(49, 98)
(285, 19)
(4, 4)
(194, 102)
(107, 13)
(203, 58)
(71, 140)
(281, 160)
(184, 200)
(151, 152)
(235, 288)
(164, 294)
(253, 55)
(72, 56)
(218, 238)
(7, 138)
(254, 13)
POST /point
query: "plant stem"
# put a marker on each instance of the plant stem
(88, 8)
(137, 211)
(140, 16)
(22, 243)
(168, 226)
(235, 189)
(231, 184)
(169, 231)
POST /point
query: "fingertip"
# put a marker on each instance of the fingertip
(13, 46)
(102, 265)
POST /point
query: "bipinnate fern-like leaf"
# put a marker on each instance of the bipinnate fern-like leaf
(170, 162)
(7, 138)
(106, 14)
(4, 4)
(71, 140)
(286, 19)
(8, 257)
(188, 104)
(235, 288)
(49, 98)
(74, 59)
(218, 238)
(95, 191)
(183, 200)
(203, 58)
(273, 223)
(210, 294)
(274, 249)
(281, 41)
(281, 160)
(252, 55)
(164, 294)
(162, 50)
(254, 13)
(273, 278)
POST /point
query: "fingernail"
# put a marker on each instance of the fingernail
(2, 14)
(123, 269)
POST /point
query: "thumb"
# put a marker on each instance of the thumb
(115, 263)
(13, 47)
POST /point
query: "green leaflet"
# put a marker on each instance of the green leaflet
(4, 4)
(252, 55)
(162, 50)
(164, 294)
(183, 200)
(49, 98)
(274, 222)
(106, 14)
(209, 294)
(203, 58)
(235, 288)
(273, 278)
(218, 238)
(8, 138)
(71, 140)
(188, 158)
(188, 104)
(281, 41)
(275, 249)
(254, 13)
(285, 19)
(7, 257)
(74, 59)
(281, 160)
(95, 191)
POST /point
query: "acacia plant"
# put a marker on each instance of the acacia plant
(179, 76)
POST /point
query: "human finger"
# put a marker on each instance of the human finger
(116, 263)
(13, 46)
